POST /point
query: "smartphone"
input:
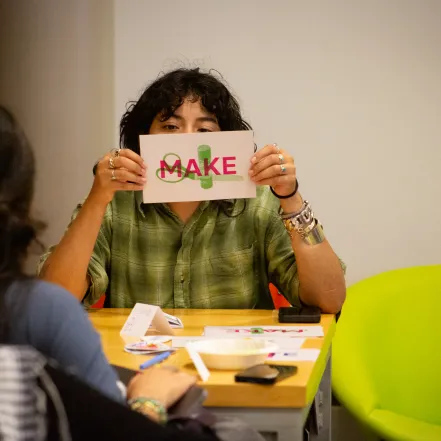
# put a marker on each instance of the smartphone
(265, 374)
(189, 404)
(304, 314)
(124, 374)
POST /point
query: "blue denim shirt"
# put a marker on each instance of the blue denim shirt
(53, 321)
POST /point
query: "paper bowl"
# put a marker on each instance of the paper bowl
(233, 354)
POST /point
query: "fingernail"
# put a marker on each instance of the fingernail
(253, 160)
(143, 179)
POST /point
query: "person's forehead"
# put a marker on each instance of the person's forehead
(192, 105)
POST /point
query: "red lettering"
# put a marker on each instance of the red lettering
(164, 166)
(210, 166)
(226, 165)
(195, 169)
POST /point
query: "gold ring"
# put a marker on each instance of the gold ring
(111, 163)
(281, 158)
(282, 169)
(113, 178)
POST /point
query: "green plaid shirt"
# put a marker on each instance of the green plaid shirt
(145, 253)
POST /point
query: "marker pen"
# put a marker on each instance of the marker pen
(155, 360)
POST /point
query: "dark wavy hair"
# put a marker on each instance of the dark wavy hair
(17, 229)
(168, 93)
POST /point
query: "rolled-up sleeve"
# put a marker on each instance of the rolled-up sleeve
(282, 266)
(99, 261)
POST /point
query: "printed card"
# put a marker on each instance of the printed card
(198, 166)
(140, 319)
(266, 331)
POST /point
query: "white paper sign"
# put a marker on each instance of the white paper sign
(173, 321)
(287, 343)
(263, 331)
(140, 319)
(198, 166)
(300, 355)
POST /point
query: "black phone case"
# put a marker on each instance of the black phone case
(299, 315)
(240, 378)
(255, 380)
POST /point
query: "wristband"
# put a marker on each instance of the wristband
(147, 406)
(288, 195)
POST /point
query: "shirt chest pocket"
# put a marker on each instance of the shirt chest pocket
(231, 279)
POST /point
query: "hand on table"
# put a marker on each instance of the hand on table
(165, 385)
(275, 167)
(120, 169)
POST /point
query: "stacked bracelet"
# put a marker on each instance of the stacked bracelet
(305, 224)
(149, 408)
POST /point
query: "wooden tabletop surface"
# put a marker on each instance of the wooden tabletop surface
(296, 391)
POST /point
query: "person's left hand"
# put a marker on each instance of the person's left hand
(164, 384)
(275, 167)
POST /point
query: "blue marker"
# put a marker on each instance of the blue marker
(155, 360)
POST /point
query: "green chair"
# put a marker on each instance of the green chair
(387, 354)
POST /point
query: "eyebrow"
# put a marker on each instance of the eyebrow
(211, 119)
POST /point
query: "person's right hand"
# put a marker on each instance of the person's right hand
(128, 174)
(161, 384)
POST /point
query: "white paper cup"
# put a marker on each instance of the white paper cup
(234, 353)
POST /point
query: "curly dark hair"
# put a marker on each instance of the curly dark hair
(17, 229)
(168, 92)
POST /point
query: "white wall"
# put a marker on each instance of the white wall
(56, 75)
(351, 88)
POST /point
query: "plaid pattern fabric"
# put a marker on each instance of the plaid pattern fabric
(144, 253)
(22, 402)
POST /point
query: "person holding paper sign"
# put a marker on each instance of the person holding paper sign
(209, 254)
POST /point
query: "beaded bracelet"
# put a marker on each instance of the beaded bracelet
(147, 406)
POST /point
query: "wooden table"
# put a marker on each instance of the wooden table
(281, 408)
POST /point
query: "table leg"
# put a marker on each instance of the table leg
(288, 424)
(273, 424)
(289, 435)
(323, 407)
